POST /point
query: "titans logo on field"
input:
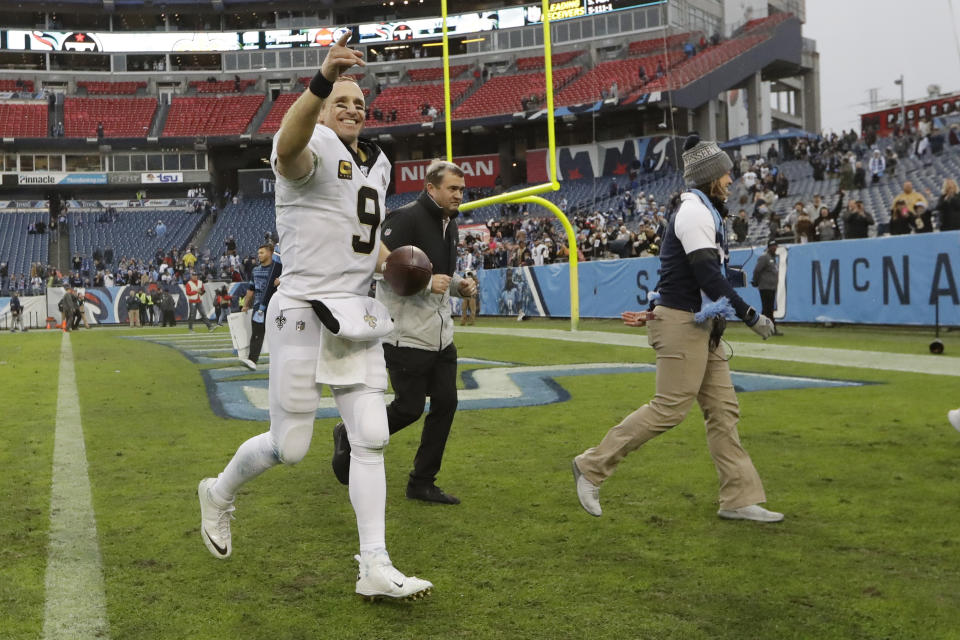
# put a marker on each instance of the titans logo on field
(236, 393)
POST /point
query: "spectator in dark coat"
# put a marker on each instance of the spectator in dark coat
(857, 221)
(741, 225)
(901, 219)
(860, 177)
(948, 207)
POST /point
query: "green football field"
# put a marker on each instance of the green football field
(867, 475)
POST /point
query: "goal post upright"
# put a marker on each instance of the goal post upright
(447, 116)
(529, 195)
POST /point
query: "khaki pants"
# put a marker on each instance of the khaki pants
(686, 371)
(468, 311)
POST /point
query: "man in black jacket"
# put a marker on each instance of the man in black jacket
(420, 354)
(856, 223)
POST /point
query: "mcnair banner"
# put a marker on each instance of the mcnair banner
(897, 280)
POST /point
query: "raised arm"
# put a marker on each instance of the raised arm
(293, 159)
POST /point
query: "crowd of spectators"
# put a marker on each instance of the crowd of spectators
(854, 165)
(34, 283)
(617, 222)
(165, 268)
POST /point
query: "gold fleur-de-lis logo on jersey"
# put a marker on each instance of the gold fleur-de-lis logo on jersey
(370, 320)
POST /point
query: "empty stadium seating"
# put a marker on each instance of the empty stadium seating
(435, 74)
(686, 71)
(272, 122)
(23, 120)
(224, 86)
(226, 115)
(11, 85)
(121, 117)
(305, 80)
(589, 86)
(537, 62)
(653, 45)
(246, 221)
(407, 100)
(502, 94)
(111, 88)
(18, 248)
(128, 235)
(765, 23)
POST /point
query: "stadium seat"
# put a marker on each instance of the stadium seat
(271, 124)
(408, 99)
(121, 117)
(18, 248)
(533, 63)
(247, 221)
(655, 45)
(503, 94)
(223, 86)
(226, 115)
(305, 80)
(435, 74)
(23, 120)
(588, 87)
(128, 235)
(111, 88)
(8, 84)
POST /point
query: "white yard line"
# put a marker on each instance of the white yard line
(935, 365)
(75, 600)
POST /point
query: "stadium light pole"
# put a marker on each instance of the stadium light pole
(903, 104)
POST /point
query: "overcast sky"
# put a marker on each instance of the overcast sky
(869, 43)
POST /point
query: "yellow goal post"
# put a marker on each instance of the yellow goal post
(529, 195)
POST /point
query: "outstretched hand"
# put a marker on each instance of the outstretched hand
(636, 318)
(340, 58)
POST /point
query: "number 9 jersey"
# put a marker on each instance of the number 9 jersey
(329, 220)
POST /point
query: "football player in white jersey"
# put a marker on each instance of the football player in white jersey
(321, 326)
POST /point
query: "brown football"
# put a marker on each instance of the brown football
(408, 270)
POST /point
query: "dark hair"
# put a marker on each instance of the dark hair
(266, 245)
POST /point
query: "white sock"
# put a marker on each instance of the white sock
(254, 456)
(368, 495)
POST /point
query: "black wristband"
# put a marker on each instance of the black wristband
(320, 86)
(751, 317)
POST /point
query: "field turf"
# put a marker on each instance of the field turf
(867, 477)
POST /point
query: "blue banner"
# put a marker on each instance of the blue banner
(892, 280)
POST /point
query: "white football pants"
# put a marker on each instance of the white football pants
(294, 338)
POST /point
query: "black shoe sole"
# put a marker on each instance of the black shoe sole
(341, 454)
(442, 498)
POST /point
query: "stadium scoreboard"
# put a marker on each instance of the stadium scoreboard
(220, 41)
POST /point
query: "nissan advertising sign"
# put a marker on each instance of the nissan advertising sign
(478, 171)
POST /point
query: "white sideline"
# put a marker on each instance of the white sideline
(75, 600)
(879, 360)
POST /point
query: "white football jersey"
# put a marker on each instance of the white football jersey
(329, 221)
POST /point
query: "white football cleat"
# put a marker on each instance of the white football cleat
(752, 512)
(378, 578)
(587, 492)
(215, 520)
(954, 417)
(249, 364)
